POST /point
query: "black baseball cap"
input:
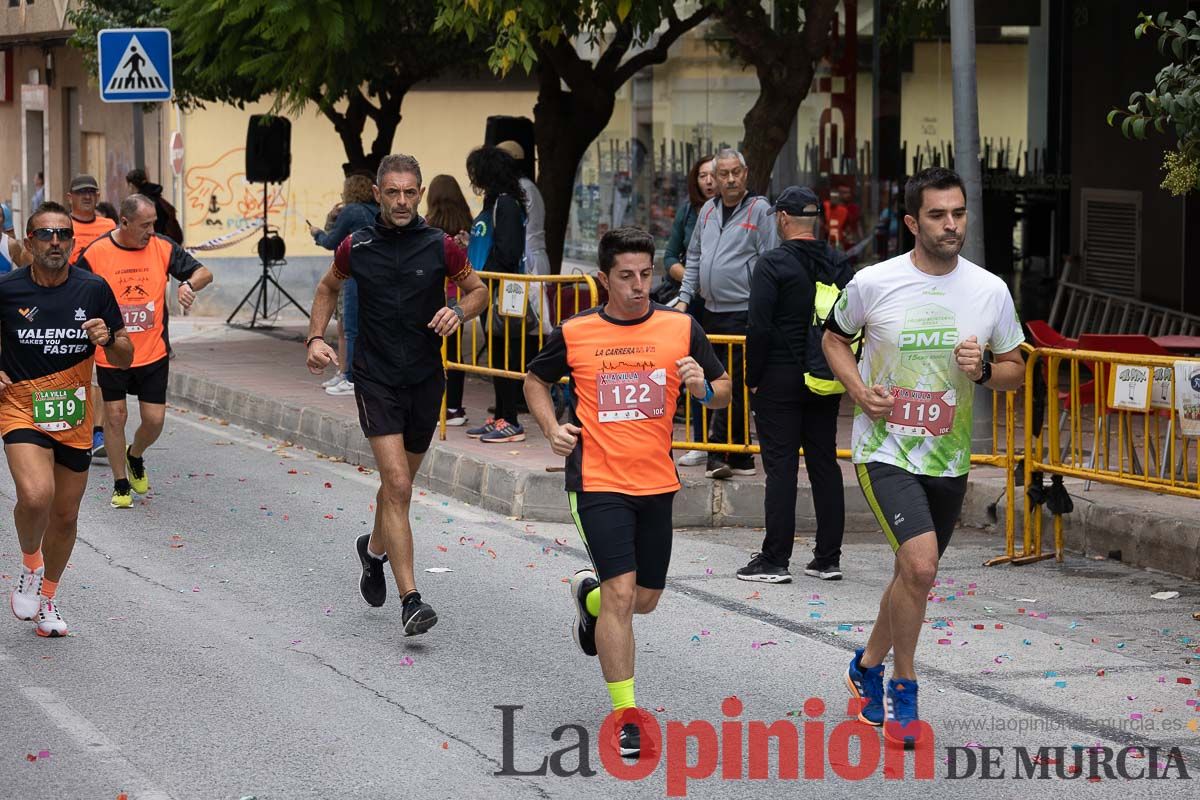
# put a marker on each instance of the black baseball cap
(83, 182)
(794, 199)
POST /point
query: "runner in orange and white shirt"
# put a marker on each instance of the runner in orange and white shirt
(137, 263)
(627, 362)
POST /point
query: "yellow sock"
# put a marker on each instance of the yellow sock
(622, 694)
(593, 602)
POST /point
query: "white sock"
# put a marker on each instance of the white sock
(376, 556)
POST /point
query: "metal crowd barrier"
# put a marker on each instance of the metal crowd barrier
(1090, 430)
(531, 306)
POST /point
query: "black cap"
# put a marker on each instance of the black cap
(794, 199)
(81, 182)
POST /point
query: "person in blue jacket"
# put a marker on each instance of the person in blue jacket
(357, 210)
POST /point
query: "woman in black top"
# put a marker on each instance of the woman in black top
(497, 176)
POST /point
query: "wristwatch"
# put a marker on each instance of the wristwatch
(458, 312)
(986, 374)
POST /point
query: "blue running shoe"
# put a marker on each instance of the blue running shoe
(903, 725)
(866, 684)
(98, 450)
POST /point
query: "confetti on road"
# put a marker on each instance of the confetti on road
(407, 661)
(437, 570)
(1165, 595)
(761, 645)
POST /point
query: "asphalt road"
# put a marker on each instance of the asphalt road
(219, 649)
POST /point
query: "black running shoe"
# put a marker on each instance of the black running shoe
(630, 741)
(417, 616)
(826, 572)
(762, 571)
(373, 583)
(582, 583)
(716, 468)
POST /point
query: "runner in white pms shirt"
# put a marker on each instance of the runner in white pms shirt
(925, 318)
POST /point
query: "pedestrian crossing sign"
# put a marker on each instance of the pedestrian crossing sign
(135, 65)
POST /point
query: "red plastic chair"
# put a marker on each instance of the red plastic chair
(1045, 336)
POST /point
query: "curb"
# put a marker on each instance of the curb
(1145, 540)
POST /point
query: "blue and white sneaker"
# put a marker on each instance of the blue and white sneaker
(903, 725)
(866, 684)
(98, 450)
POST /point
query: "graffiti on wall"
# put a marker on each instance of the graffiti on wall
(219, 199)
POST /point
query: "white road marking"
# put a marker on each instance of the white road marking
(137, 785)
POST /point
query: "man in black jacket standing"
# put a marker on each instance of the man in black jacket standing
(794, 396)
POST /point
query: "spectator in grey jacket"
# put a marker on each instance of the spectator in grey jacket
(732, 230)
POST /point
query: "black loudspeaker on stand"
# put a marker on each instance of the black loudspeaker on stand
(517, 129)
(268, 160)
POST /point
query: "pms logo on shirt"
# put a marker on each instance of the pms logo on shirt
(928, 327)
(28, 313)
(929, 339)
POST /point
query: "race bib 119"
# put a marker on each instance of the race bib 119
(921, 413)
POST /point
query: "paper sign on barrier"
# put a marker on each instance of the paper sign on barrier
(1187, 397)
(513, 298)
(1161, 395)
(1129, 388)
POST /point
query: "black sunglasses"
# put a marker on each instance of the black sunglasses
(48, 234)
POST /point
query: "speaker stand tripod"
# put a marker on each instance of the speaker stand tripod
(266, 279)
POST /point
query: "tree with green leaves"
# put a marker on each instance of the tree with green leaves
(784, 54)
(576, 93)
(1173, 103)
(354, 60)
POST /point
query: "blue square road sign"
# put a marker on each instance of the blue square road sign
(135, 65)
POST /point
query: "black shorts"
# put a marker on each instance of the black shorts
(908, 505)
(409, 410)
(626, 533)
(72, 458)
(148, 382)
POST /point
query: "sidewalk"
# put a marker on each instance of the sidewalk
(257, 379)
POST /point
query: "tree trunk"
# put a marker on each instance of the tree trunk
(351, 123)
(784, 61)
(564, 128)
(768, 122)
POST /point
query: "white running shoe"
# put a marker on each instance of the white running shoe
(334, 381)
(341, 389)
(49, 621)
(25, 597)
(692, 458)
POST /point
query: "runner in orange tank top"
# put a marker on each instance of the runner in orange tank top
(137, 263)
(627, 362)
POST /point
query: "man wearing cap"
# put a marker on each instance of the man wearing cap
(733, 230)
(794, 395)
(89, 226)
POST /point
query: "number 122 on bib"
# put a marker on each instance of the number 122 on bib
(631, 395)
